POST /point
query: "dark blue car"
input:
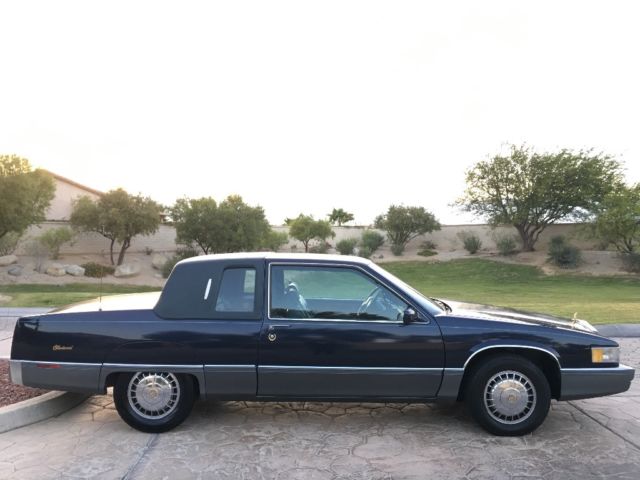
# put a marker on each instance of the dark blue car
(313, 328)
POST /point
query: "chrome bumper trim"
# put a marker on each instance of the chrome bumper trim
(15, 371)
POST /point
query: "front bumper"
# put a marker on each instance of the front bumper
(579, 383)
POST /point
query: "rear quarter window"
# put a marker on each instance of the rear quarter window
(213, 290)
(237, 290)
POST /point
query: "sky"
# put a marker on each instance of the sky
(304, 106)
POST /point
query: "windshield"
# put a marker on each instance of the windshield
(428, 304)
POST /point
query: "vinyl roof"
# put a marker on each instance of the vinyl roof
(307, 257)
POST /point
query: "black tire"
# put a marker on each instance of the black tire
(508, 395)
(154, 402)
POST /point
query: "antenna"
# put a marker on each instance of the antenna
(100, 298)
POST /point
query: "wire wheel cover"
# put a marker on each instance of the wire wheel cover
(153, 395)
(509, 397)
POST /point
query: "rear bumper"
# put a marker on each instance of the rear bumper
(579, 383)
(71, 377)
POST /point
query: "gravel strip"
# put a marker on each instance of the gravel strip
(11, 393)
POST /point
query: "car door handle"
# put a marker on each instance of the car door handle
(271, 331)
(276, 327)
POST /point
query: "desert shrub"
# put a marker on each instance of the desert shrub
(36, 249)
(471, 241)
(320, 247)
(168, 266)
(346, 246)
(9, 243)
(397, 249)
(371, 241)
(187, 251)
(364, 252)
(97, 270)
(428, 245)
(54, 238)
(562, 254)
(182, 253)
(506, 244)
(427, 249)
(631, 262)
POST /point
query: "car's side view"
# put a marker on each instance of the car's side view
(315, 328)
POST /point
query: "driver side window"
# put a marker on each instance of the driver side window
(338, 293)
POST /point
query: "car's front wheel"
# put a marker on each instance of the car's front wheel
(508, 395)
(154, 402)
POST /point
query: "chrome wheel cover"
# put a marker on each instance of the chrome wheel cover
(510, 397)
(153, 395)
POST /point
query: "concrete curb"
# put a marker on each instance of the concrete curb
(37, 409)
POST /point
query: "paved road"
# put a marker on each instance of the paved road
(580, 440)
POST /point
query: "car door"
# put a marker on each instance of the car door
(336, 331)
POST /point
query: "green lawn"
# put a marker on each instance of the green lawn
(596, 299)
(32, 295)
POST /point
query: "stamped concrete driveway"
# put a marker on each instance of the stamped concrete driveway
(597, 438)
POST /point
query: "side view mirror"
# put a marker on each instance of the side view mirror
(409, 316)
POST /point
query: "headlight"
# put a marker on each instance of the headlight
(605, 354)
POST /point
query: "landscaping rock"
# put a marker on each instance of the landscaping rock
(15, 271)
(56, 270)
(40, 268)
(5, 298)
(8, 260)
(127, 270)
(158, 261)
(75, 270)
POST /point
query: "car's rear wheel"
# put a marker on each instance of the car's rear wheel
(154, 402)
(508, 395)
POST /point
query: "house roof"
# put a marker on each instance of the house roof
(75, 184)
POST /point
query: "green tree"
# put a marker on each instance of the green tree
(245, 227)
(117, 216)
(532, 190)
(618, 219)
(196, 221)
(339, 216)
(25, 194)
(305, 228)
(403, 224)
(275, 240)
(231, 226)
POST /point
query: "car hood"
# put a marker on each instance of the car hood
(131, 301)
(490, 312)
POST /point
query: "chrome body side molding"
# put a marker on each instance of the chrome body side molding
(526, 347)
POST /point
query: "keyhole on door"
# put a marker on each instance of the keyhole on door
(271, 337)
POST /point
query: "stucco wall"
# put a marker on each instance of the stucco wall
(61, 205)
(93, 243)
(445, 239)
